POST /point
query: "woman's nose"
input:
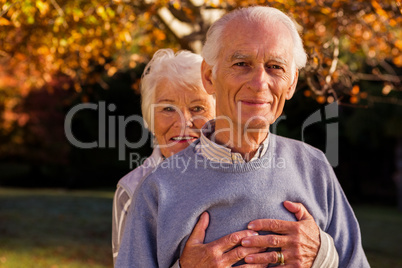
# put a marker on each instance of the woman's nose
(184, 118)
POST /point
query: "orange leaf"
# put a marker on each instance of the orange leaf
(398, 44)
(398, 61)
(4, 21)
(320, 99)
(355, 90)
(307, 93)
(354, 99)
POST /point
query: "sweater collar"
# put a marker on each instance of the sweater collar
(219, 153)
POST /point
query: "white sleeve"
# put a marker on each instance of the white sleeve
(327, 255)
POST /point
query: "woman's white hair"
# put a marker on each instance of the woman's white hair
(181, 69)
(260, 14)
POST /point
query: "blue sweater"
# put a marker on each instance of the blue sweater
(169, 202)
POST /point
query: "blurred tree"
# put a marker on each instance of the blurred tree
(40, 37)
(42, 141)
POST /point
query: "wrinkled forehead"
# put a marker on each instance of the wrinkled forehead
(256, 40)
(244, 29)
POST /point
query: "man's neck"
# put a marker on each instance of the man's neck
(238, 139)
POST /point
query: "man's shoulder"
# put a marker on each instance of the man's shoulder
(296, 147)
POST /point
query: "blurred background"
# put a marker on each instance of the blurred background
(69, 76)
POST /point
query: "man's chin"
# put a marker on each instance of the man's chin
(256, 122)
(256, 128)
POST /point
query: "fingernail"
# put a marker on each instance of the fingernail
(249, 259)
(251, 226)
(245, 242)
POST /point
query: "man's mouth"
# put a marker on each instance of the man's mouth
(255, 102)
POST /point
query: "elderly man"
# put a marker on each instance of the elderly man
(238, 172)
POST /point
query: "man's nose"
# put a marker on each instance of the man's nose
(259, 79)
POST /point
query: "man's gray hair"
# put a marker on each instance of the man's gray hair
(181, 69)
(260, 14)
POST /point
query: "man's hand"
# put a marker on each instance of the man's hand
(223, 252)
(299, 241)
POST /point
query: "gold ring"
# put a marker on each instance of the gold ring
(281, 258)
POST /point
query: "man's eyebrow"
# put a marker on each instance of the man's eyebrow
(239, 56)
(278, 60)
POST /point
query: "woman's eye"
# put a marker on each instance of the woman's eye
(168, 109)
(197, 109)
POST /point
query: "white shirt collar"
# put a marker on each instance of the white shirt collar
(219, 153)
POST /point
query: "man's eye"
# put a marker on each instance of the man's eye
(275, 67)
(240, 64)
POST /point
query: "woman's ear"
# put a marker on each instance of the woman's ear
(206, 76)
(292, 87)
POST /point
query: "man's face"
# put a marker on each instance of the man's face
(254, 74)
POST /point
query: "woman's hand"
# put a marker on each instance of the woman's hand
(223, 252)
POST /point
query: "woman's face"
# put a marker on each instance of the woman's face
(179, 113)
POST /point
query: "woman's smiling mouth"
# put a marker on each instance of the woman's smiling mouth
(183, 138)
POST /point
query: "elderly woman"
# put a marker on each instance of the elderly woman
(175, 106)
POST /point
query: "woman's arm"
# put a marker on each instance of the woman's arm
(121, 204)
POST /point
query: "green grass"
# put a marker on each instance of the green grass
(60, 229)
(381, 234)
(55, 228)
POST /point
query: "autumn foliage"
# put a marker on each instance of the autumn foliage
(39, 38)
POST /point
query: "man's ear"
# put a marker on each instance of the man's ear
(206, 76)
(292, 87)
